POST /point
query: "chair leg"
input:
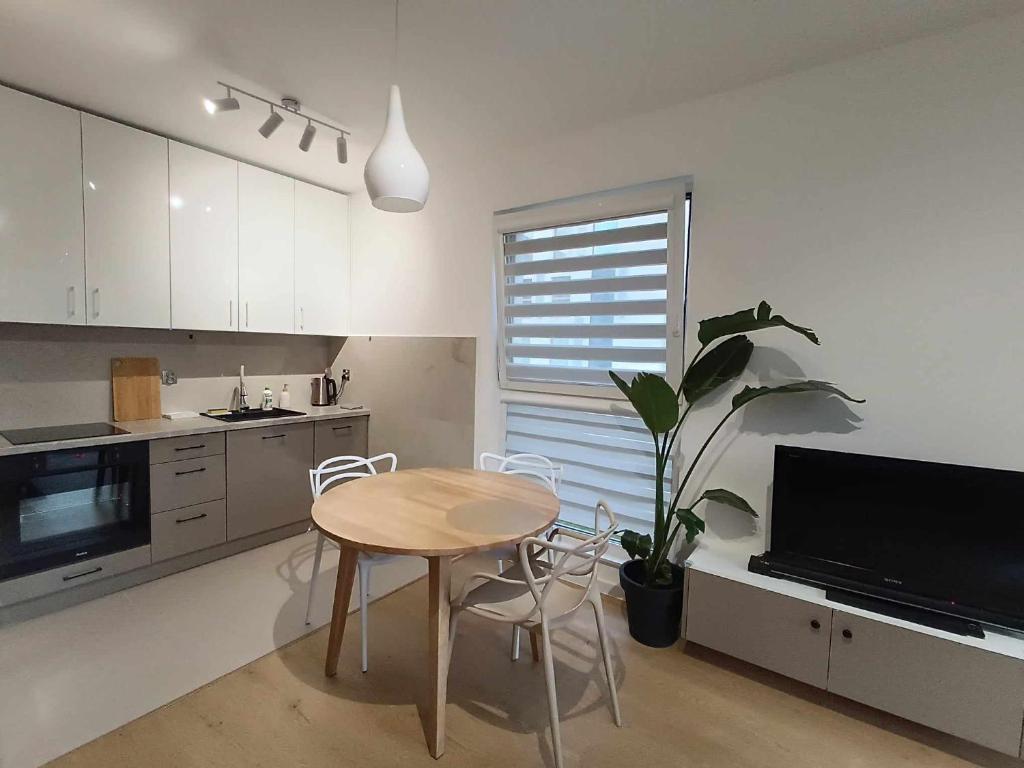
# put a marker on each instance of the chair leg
(316, 572)
(364, 599)
(534, 648)
(549, 678)
(602, 636)
(515, 642)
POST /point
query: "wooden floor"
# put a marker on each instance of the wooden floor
(692, 708)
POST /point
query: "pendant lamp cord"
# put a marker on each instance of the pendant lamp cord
(394, 53)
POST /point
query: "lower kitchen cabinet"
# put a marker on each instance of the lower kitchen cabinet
(180, 531)
(341, 437)
(268, 477)
(777, 632)
(968, 692)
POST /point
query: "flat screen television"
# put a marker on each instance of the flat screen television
(943, 540)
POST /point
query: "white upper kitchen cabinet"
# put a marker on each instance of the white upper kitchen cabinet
(126, 225)
(321, 261)
(266, 251)
(42, 265)
(204, 239)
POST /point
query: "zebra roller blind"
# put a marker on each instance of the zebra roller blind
(584, 298)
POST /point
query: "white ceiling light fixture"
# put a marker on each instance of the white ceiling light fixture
(288, 105)
(396, 177)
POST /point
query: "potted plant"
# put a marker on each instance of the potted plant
(653, 585)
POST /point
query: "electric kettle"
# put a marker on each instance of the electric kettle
(323, 390)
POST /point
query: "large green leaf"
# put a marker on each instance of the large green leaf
(636, 545)
(723, 363)
(747, 320)
(654, 400)
(723, 496)
(747, 394)
(693, 524)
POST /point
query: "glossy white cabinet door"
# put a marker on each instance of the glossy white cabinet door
(126, 225)
(321, 261)
(204, 239)
(42, 263)
(266, 251)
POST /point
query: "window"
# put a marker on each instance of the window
(584, 287)
(582, 295)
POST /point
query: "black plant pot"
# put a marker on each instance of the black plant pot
(654, 613)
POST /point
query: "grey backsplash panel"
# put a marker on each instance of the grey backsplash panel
(61, 374)
(421, 394)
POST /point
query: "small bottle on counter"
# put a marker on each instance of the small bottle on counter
(284, 400)
(268, 399)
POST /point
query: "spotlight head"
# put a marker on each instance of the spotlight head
(227, 104)
(270, 124)
(307, 137)
(342, 149)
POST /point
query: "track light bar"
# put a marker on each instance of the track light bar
(273, 122)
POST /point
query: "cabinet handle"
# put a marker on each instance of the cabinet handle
(74, 576)
(271, 437)
(189, 471)
(231, 313)
(815, 624)
(71, 301)
(95, 302)
(847, 634)
(346, 428)
(191, 447)
(302, 319)
(247, 314)
(190, 519)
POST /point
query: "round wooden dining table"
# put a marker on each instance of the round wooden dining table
(438, 514)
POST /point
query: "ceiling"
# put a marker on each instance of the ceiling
(475, 74)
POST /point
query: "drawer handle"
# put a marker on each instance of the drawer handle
(847, 634)
(347, 428)
(815, 624)
(190, 519)
(189, 471)
(272, 437)
(191, 447)
(74, 576)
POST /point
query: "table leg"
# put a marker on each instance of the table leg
(342, 597)
(440, 582)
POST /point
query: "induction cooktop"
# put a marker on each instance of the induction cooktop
(61, 432)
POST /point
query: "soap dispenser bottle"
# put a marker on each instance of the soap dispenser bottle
(268, 399)
(285, 398)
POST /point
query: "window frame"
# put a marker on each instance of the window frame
(667, 195)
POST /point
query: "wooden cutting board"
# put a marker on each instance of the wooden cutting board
(136, 387)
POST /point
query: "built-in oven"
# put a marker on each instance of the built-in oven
(61, 507)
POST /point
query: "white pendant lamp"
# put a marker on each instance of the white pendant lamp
(396, 177)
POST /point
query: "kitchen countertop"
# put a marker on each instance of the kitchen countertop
(152, 429)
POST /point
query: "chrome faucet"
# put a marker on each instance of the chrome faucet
(243, 396)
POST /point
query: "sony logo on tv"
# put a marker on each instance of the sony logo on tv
(890, 580)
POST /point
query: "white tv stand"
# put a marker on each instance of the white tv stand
(969, 687)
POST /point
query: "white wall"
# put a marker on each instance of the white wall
(879, 200)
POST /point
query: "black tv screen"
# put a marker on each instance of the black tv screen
(939, 536)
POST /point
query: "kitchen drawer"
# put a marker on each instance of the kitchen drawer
(968, 692)
(341, 437)
(76, 574)
(765, 628)
(180, 531)
(268, 477)
(190, 447)
(185, 483)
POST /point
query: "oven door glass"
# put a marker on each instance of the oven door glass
(65, 506)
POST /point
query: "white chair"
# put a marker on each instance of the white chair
(532, 594)
(334, 471)
(531, 465)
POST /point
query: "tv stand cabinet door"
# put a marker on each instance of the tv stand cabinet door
(968, 692)
(774, 631)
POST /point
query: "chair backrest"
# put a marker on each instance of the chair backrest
(527, 464)
(340, 468)
(576, 559)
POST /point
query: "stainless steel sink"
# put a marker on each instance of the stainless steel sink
(254, 414)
